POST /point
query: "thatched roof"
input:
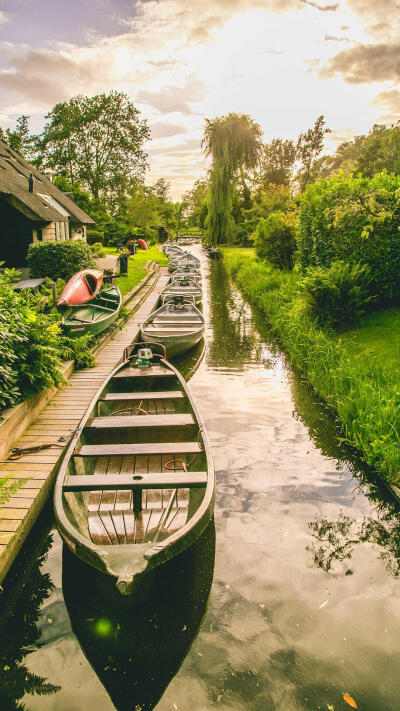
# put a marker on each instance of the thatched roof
(46, 203)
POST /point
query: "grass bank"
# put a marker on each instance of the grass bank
(357, 373)
(136, 266)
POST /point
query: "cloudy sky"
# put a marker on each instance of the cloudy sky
(283, 61)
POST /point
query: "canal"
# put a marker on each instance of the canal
(288, 603)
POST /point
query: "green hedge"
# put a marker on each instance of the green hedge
(356, 220)
(94, 236)
(59, 260)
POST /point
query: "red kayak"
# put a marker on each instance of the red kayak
(82, 287)
(143, 244)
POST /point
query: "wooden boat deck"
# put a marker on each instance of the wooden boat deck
(59, 420)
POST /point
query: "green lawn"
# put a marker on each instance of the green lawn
(142, 256)
(377, 336)
(136, 264)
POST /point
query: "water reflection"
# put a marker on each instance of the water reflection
(25, 590)
(136, 644)
(233, 337)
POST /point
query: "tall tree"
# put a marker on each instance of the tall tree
(19, 139)
(276, 164)
(234, 144)
(309, 148)
(97, 140)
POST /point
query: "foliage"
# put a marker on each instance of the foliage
(59, 259)
(96, 140)
(234, 144)
(368, 154)
(338, 295)
(78, 349)
(29, 347)
(363, 391)
(275, 238)
(94, 237)
(97, 249)
(276, 164)
(356, 220)
(308, 149)
(19, 139)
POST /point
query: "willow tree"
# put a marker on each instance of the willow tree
(234, 144)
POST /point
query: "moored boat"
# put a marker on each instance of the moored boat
(177, 324)
(94, 317)
(182, 286)
(137, 484)
(81, 288)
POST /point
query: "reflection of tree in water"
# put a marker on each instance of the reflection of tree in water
(235, 340)
(233, 334)
(335, 541)
(25, 589)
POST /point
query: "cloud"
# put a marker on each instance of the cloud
(163, 129)
(366, 64)
(390, 100)
(332, 38)
(332, 7)
(174, 99)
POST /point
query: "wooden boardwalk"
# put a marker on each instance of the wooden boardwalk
(59, 419)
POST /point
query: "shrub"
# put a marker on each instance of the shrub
(275, 238)
(98, 250)
(337, 295)
(29, 346)
(59, 260)
(357, 220)
(94, 236)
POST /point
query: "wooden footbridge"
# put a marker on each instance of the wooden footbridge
(55, 425)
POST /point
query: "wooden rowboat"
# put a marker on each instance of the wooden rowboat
(137, 484)
(178, 325)
(182, 286)
(81, 288)
(93, 318)
(186, 259)
(188, 270)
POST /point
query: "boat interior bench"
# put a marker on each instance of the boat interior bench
(133, 497)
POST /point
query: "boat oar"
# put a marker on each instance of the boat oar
(165, 514)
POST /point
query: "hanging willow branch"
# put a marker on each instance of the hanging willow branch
(234, 144)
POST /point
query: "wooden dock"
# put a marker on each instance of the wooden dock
(59, 420)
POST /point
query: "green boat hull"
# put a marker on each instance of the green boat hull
(93, 318)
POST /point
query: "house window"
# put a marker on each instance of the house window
(40, 235)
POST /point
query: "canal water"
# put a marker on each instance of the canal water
(289, 602)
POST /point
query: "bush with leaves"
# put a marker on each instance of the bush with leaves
(94, 236)
(275, 239)
(59, 260)
(356, 220)
(338, 295)
(97, 250)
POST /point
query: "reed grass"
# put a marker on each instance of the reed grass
(364, 391)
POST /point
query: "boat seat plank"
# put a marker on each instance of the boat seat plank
(173, 329)
(109, 483)
(158, 395)
(103, 450)
(129, 421)
(154, 370)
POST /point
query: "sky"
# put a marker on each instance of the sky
(284, 62)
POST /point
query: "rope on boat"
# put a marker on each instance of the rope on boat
(18, 452)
